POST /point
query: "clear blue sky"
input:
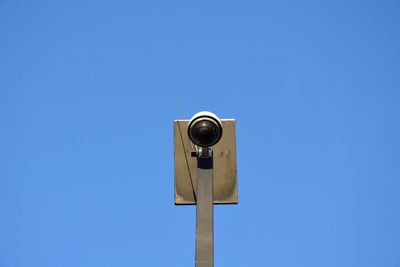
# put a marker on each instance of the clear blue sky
(86, 110)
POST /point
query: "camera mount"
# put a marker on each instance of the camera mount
(205, 173)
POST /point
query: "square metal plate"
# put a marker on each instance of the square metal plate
(225, 170)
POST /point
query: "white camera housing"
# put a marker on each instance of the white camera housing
(205, 129)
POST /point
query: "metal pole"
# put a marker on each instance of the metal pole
(205, 212)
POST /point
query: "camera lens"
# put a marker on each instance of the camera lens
(205, 132)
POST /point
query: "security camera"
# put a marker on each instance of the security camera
(205, 129)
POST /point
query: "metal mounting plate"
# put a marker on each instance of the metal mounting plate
(225, 170)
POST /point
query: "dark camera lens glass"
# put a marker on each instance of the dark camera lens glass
(205, 133)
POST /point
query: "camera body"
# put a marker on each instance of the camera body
(205, 129)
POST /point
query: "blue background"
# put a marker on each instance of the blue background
(89, 91)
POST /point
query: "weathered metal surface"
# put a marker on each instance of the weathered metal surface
(225, 171)
(204, 214)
